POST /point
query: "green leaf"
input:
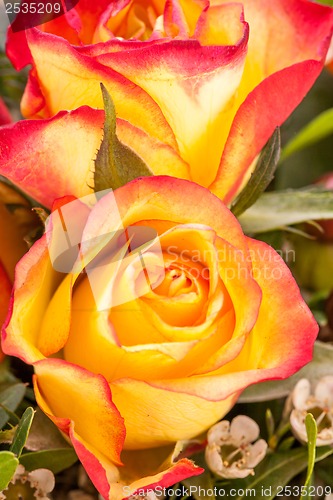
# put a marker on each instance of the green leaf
(55, 460)
(22, 431)
(278, 209)
(8, 464)
(311, 431)
(261, 177)
(273, 474)
(317, 129)
(10, 398)
(115, 164)
(320, 365)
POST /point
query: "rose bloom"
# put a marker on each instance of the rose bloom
(200, 84)
(126, 379)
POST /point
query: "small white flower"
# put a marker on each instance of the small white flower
(320, 404)
(29, 485)
(230, 452)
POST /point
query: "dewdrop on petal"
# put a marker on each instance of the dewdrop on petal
(230, 452)
(29, 485)
(320, 404)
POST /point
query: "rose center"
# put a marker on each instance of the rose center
(136, 21)
(176, 282)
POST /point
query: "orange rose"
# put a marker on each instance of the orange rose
(129, 358)
(201, 84)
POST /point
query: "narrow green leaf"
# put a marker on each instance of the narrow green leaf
(22, 431)
(262, 175)
(10, 398)
(55, 460)
(115, 164)
(278, 209)
(319, 128)
(8, 464)
(311, 431)
(273, 474)
(320, 365)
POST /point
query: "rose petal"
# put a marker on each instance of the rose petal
(58, 384)
(52, 158)
(281, 56)
(56, 63)
(149, 424)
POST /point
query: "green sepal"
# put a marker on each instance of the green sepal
(115, 164)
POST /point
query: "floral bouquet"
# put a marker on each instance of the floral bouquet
(166, 258)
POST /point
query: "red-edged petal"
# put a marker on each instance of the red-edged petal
(264, 109)
(70, 392)
(68, 79)
(141, 471)
(55, 157)
(286, 51)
